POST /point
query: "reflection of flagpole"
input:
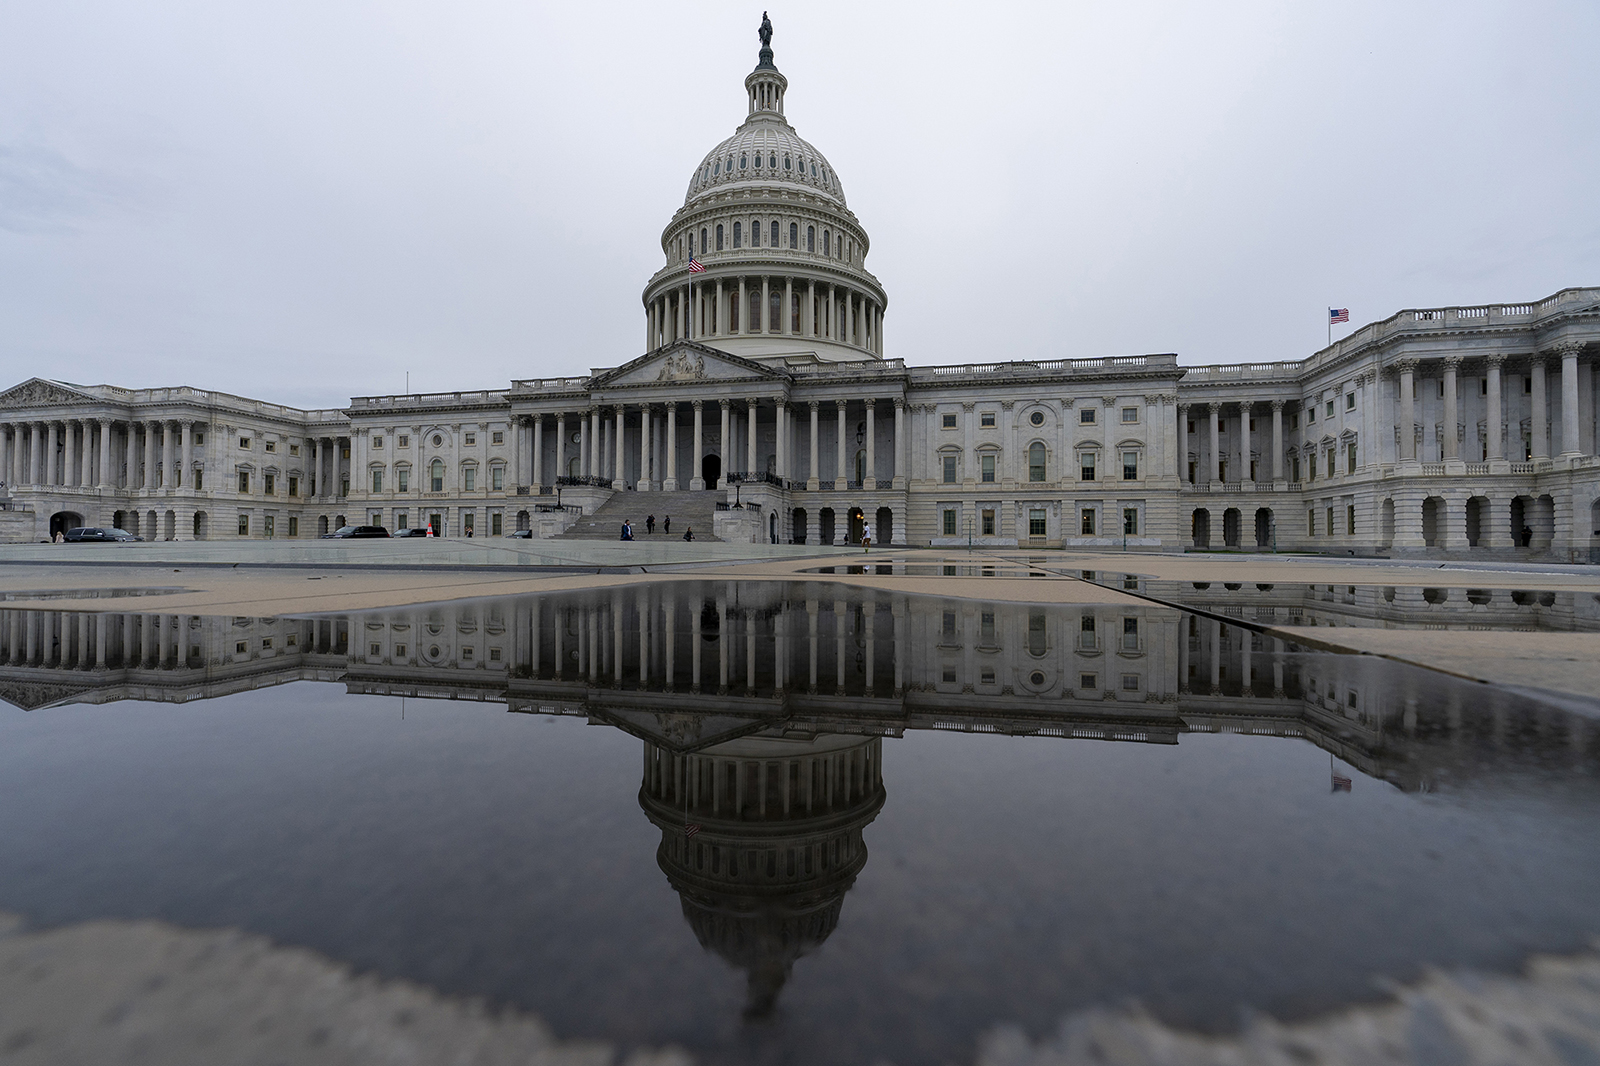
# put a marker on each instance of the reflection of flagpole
(1339, 782)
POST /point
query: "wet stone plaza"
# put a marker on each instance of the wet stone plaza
(798, 821)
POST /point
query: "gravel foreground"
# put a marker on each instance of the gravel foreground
(141, 992)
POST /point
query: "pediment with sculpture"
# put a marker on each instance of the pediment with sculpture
(686, 362)
(39, 392)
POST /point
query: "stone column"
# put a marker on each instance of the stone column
(617, 450)
(1452, 409)
(1181, 458)
(870, 482)
(900, 442)
(781, 433)
(50, 465)
(671, 482)
(1540, 444)
(763, 322)
(726, 446)
(743, 309)
(1214, 461)
(697, 481)
(813, 481)
(750, 441)
(1244, 449)
(1407, 369)
(1571, 446)
(103, 475)
(1277, 440)
(560, 465)
(808, 321)
(1494, 419)
(536, 470)
(840, 478)
(186, 449)
(786, 322)
(69, 453)
(646, 429)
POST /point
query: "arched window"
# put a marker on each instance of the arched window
(774, 243)
(702, 241)
(758, 160)
(775, 311)
(436, 476)
(794, 316)
(813, 170)
(743, 161)
(755, 307)
(716, 169)
(730, 164)
(1036, 461)
(787, 163)
(738, 234)
(794, 235)
(772, 159)
(733, 312)
(811, 238)
(755, 233)
(827, 243)
(719, 236)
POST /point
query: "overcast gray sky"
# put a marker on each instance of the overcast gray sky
(302, 201)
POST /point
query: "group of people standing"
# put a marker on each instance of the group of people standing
(650, 527)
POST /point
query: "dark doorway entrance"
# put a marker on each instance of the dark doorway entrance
(711, 470)
(62, 521)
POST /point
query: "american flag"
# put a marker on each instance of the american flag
(689, 828)
(1335, 314)
(695, 266)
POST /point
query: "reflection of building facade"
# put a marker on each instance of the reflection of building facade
(1457, 429)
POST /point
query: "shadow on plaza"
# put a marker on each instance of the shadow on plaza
(762, 708)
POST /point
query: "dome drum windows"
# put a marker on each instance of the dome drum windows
(744, 162)
(794, 235)
(719, 236)
(774, 242)
(738, 235)
(811, 238)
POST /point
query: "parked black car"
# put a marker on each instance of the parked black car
(522, 534)
(422, 532)
(94, 534)
(352, 532)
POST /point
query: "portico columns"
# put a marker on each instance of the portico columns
(589, 430)
(763, 323)
(786, 317)
(696, 480)
(750, 441)
(50, 454)
(1452, 409)
(1181, 459)
(742, 308)
(670, 484)
(870, 481)
(1277, 440)
(1407, 369)
(103, 478)
(726, 447)
(183, 456)
(617, 450)
(535, 475)
(1496, 413)
(1214, 462)
(148, 482)
(780, 419)
(808, 321)
(69, 453)
(840, 482)
(645, 431)
(1571, 447)
(813, 483)
(899, 481)
(1539, 447)
(1244, 443)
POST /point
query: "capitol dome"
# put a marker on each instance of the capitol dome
(765, 259)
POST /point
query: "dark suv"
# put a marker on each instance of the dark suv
(351, 532)
(94, 534)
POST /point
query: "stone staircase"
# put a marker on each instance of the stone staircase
(686, 508)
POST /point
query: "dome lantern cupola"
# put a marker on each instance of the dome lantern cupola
(765, 85)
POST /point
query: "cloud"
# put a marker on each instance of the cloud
(42, 191)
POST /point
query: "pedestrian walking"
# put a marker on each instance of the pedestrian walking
(650, 524)
(688, 534)
(866, 537)
(666, 525)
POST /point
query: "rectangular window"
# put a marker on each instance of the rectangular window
(1311, 412)
(403, 441)
(497, 524)
(199, 479)
(1086, 416)
(1311, 522)
(1130, 414)
(1087, 524)
(947, 625)
(271, 447)
(987, 465)
(1329, 411)
(1349, 401)
(949, 521)
(402, 479)
(374, 650)
(1088, 681)
(948, 421)
(402, 520)
(949, 464)
(986, 419)
(294, 449)
(1130, 682)
(986, 627)
(988, 522)
(1294, 420)
(1086, 466)
(1311, 467)
(241, 648)
(294, 528)
(244, 442)
(244, 481)
(344, 486)
(1350, 458)
(270, 485)
(467, 521)
(1130, 466)
(344, 453)
(244, 525)
(1350, 520)
(377, 481)
(469, 479)
(497, 478)
(377, 442)
(1130, 521)
(466, 655)
(1483, 387)
(267, 526)
(497, 437)
(1036, 522)
(1330, 522)
(400, 651)
(470, 438)
(1527, 386)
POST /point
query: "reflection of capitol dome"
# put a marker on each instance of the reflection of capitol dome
(779, 844)
(785, 275)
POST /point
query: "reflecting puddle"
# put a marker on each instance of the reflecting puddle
(798, 822)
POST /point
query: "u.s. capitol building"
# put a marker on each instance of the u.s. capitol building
(766, 402)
